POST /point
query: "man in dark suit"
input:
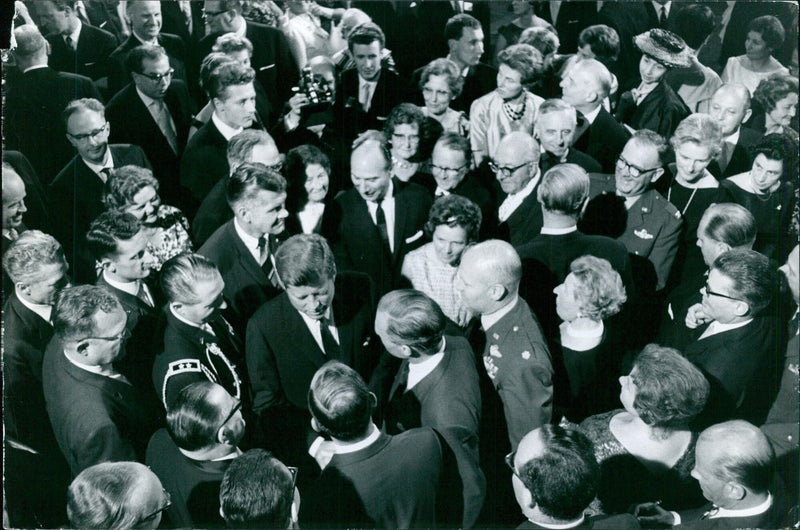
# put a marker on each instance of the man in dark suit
(450, 168)
(598, 134)
(372, 479)
(368, 93)
(730, 341)
(184, 19)
(37, 214)
(199, 344)
(76, 194)
(74, 46)
(243, 249)
(436, 385)
(36, 265)
(96, 413)
(730, 107)
(250, 145)
(555, 126)
(117, 242)
(204, 162)
(108, 15)
(555, 476)
(465, 39)
(373, 225)
(35, 97)
(191, 456)
(321, 315)
(652, 225)
(569, 19)
(145, 23)
(516, 167)
(153, 112)
(628, 19)
(733, 464)
(272, 60)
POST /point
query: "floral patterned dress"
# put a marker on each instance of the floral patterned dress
(170, 235)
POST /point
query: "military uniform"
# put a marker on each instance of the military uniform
(519, 366)
(653, 226)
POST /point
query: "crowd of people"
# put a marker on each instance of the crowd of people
(350, 264)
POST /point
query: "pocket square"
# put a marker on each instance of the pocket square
(643, 233)
(414, 237)
(267, 67)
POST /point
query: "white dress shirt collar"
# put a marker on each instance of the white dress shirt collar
(127, 287)
(111, 372)
(373, 436)
(44, 311)
(489, 320)
(75, 35)
(559, 231)
(108, 162)
(733, 139)
(514, 200)
(419, 371)
(559, 526)
(225, 130)
(153, 42)
(592, 115)
(187, 322)
(314, 325)
(747, 512)
(718, 327)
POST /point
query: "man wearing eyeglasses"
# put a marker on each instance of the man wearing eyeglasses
(516, 167)
(76, 194)
(154, 111)
(653, 224)
(190, 456)
(96, 413)
(732, 340)
(145, 23)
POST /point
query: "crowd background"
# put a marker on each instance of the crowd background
(400, 264)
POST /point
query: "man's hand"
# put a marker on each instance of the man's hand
(696, 317)
(650, 514)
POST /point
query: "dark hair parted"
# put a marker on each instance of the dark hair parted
(145, 52)
(193, 419)
(774, 88)
(256, 492)
(366, 33)
(210, 63)
(124, 183)
(297, 161)
(73, 317)
(454, 28)
(232, 43)
(227, 74)
(694, 23)
(564, 189)
(770, 29)
(414, 320)
(82, 105)
(730, 223)
(754, 278)
(240, 147)
(108, 229)
(602, 39)
(670, 390)
(454, 210)
(340, 401)
(181, 274)
(250, 178)
(563, 479)
(305, 260)
(455, 142)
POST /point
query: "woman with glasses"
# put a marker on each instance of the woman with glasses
(510, 107)
(308, 172)
(769, 192)
(134, 190)
(441, 83)
(646, 450)
(116, 495)
(591, 293)
(411, 137)
(453, 225)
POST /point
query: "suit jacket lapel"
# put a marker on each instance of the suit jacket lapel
(247, 260)
(345, 328)
(400, 218)
(305, 340)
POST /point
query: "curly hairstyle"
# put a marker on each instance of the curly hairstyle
(778, 146)
(124, 183)
(404, 113)
(454, 210)
(599, 290)
(774, 88)
(523, 59)
(447, 68)
(670, 390)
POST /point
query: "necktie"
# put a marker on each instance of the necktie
(710, 513)
(329, 343)
(70, 42)
(547, 161)
(266, 262)
(725, 156)
(365, 97)
(144, 295)
(105, 173)
(662, 18)
(380, 222)
(401, 381)
(164, 120)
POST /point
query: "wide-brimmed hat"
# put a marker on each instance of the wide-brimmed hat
(665, 47)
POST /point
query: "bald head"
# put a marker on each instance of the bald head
(488, 276)
(737, 452)
(730, 107)
(586, 84)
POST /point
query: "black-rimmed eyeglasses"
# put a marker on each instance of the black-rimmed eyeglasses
(163, 508)
(93, 134)
(509, 459)
(449, 171)
(124, 334)
(505, 171)
(159, 77)
(633, 171)
(709, 292)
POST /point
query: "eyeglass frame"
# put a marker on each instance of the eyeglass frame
(158, 77)
(122, 335)
(630, 168)
(709, 292)
(506, 171)
(164, 508)
(449, 171)
(509, 460)
(232, 412)
(293, 471)
(209, 14)
(92, 134)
